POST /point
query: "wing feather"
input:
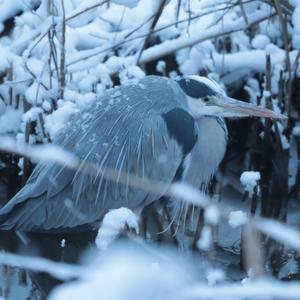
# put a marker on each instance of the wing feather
(130, 136)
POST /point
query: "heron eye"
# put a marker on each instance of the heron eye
(206, 99)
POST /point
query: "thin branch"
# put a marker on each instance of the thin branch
(10, 78)
(287, 56)
(157, 15)
(75, 15)
(63, 52)
(178, 10)
(243, 10)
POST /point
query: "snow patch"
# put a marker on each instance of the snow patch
(205, 241)
(113, 224)
(237, 219)
(58, 119)
(212, 215)
(10, 120)
(127, 3)
(249, 180)
(260, 41)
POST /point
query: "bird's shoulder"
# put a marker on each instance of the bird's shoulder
(149, 104)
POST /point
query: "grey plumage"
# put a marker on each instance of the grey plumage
(124, 130)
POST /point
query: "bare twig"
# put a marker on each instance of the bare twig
(10, 78)
(53, 52)
(286, 7)
(26, 162)
(296, 62)
(63, 52)
(199, 227)
(243, 11)
(42, 124)
(157, 15)
(75, 15)
(178, 10)
(288, 66)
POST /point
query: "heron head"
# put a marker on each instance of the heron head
(206, 98)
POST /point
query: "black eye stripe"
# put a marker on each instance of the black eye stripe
(195, 89)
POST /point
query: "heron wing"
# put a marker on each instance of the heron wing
(126, 133)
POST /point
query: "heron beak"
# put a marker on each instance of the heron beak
(249, 109)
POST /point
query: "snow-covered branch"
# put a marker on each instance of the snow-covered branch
(215, 31)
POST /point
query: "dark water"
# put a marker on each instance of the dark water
(21, 284)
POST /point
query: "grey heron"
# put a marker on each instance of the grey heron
(157, 128)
